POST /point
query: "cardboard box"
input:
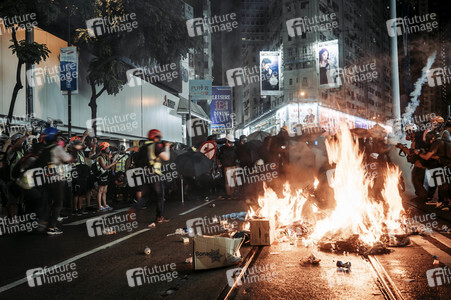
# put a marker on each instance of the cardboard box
(262, 232)
(214, 252)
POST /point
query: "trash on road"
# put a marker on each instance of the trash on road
(181, 231)
(189, 260)
(151, 225)
(239, 216)
(212, 205)
(436, 262)
(312, 259)
(262, 232)
(185, 240)
(343, 267)
(147, 251)
(215, 252)
(108, 231)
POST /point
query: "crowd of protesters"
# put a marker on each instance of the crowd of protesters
(430, 154)
(38, 175)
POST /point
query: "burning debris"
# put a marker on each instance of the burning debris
(364, 220)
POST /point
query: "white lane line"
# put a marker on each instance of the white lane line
(194, 208)
(442, 239)
(432, 249)
(98, 216)
(70, 260)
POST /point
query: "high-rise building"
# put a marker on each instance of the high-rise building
(363, 41)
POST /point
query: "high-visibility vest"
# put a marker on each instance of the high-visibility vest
(154, 161)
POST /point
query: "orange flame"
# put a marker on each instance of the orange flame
(356, 210)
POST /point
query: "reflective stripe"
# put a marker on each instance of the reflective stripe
(154, 161)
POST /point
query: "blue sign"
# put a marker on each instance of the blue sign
(68, 68)
(221, 107)
(200, 89)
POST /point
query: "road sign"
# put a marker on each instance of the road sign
(208, 149)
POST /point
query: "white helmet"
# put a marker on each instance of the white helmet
(230, 138)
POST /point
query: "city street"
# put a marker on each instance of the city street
(225, 149)
(103, 261)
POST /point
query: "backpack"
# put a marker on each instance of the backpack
(19, 168)
(45, 157)
(140, 158)
(95, 169)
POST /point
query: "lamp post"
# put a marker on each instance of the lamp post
(301, 94)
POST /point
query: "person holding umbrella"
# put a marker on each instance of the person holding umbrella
(150, 155)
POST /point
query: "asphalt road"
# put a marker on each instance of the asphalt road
(101, 263)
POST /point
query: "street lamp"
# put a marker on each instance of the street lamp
(301, 94)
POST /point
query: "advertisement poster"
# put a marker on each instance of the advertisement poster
(68, 68)
(270, 73)
(221, 107)
(328, 64)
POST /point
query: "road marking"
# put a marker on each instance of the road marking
(99, 216)
(194, 208)
(442, 239)
(70, 260)
(432, 249)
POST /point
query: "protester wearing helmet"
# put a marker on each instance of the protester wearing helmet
(52, 156)
(432, 161)
(104, 167)
(81, 170)
(13, 154)
(153, 153)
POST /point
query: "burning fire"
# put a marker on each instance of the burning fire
(359, 210)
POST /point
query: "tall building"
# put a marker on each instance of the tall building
(362, 41)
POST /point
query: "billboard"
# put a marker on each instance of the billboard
(270, 62)
(328, 63)
(68, 68)
(221, 107)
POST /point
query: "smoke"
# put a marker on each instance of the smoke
(414, 102)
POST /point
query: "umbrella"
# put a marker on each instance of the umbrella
(192, 164)
(250, 152)
(378, 131)
(360, 132)
(258, 136)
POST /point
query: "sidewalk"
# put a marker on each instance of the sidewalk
(420, 204)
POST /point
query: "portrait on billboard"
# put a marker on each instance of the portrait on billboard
(328, 64)
(270, 73)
